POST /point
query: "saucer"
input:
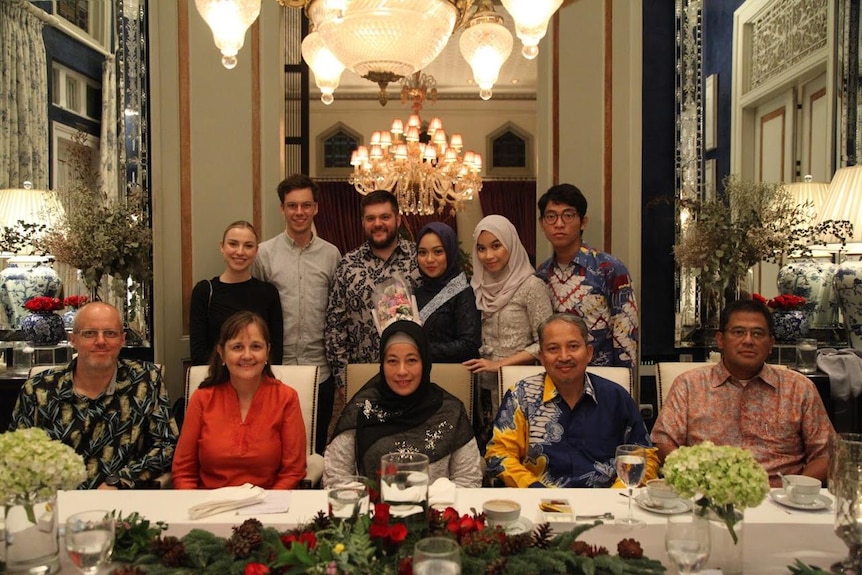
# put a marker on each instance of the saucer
(820, 501)
(522, 525)
(645, 503)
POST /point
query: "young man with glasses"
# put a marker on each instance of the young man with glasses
(301, 265)
(114, 412)
(583, 281)
(775, 413)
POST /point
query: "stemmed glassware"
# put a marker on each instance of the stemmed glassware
(90, 540)
(687, 542)
(630, 464)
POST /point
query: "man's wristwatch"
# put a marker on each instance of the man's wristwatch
(114, 481)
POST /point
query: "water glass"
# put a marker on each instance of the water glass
(404, 483)
(806, 355)
(437, 556)
(348, 496)
(687, 542)
(89, 540)
(630, 464)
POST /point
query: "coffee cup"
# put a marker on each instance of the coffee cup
(801, 489)
(501, 512)
(661, 494)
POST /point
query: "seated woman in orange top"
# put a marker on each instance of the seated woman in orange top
(242, 425)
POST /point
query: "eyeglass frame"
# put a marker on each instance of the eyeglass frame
(568, 216)
(94, 333)
(299, 206)
(756, 333)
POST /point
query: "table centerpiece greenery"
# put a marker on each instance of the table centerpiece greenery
(363, 544)
(721, 479)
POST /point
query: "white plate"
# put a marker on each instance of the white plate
(820, 502)
(645, 503)
(522, 525)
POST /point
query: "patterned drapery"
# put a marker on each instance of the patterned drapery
(23, 99)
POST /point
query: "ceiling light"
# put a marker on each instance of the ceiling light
(485, 44)
(323, 63)
(531, 21)
(228, 20)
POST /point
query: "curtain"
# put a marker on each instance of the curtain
(23, 99)
(339, 219)
(516, 201)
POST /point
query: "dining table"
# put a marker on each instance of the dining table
(774, 535)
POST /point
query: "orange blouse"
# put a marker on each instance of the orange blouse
(217, 449)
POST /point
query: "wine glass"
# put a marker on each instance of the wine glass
(687, 542)
(437, 556)
(89, 540)
(630, 463)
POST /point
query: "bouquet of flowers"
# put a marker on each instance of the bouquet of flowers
(720, 478)
(43, 303)
(33, 467)
(783, 302)
(393, 301)
(75, 301)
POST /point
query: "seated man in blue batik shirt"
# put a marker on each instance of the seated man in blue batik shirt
(114, 412)
(591, 284)
(561, 428)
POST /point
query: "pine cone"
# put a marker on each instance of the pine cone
(161, 545)
(238, 547)
(630, 549)
(514, 544)
(128, 570)
(585, 549)
(176, 556)
(496, 567)
(245, 539)
(542, 536)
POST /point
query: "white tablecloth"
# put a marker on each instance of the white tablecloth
(773, 535)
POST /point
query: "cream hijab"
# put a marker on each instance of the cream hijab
(494, 290)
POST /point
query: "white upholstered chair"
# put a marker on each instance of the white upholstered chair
(666, 373)
(453, 377)
(304, 380)
(512, 374)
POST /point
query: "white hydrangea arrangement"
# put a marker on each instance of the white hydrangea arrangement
(33, 467)
(720, 478)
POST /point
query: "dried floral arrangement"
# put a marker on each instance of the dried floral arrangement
(23, 238)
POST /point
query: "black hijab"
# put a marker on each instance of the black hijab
(387, 422)
(430, 286)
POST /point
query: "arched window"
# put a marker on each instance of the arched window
(509, 152)
(334, 147)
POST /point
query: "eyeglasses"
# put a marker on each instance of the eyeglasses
(304, 206)
(568, 217)
(756, 333)
(93, 333)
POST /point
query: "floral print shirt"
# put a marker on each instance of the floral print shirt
(127, 431)
(350, 335)
(778, 415)
(539, 441)
(597, 287)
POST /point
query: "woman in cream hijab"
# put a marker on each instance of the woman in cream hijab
(513, 302)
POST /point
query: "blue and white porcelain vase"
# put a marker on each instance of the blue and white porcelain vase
(790, 325)
(69, 318)
(24, 278)
(43, 328)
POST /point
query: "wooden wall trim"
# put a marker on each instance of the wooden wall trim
(256, 127)
(555, 100)
(608, 139)
(184, 97)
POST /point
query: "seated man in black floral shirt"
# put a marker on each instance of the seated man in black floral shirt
(114, 412)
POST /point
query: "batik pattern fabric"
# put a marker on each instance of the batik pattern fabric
(778, 416)
(350, 334)
(539, 441)
(126, 431)
(597, 287)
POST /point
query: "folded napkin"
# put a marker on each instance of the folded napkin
(441, 492)
(226, 499)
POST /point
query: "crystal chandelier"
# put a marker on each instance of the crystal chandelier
(386, 40)
(425, 174)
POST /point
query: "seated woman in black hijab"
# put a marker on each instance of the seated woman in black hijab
(400, 409)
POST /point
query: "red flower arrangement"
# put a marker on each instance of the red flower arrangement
(75, 301)
(783, 302)
(43, 303)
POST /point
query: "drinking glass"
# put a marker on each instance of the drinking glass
(630, 464)
(437, 556)
(687, 542)
(348, 496)
(404, 483)
(90, 540)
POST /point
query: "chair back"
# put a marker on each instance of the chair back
(453, 377)
(512, 374)
(666, 373)
(301, 378)
(40, 368)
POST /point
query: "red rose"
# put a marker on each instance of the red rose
(381, 513)
(449, 514)
(758, 298)
(405, 566)
(397, 533)
(466, 524)
(256, 569)
(378, 531)
(309, 538)
(288, 540)
(453, 527)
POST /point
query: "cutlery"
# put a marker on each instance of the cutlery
(607, 515)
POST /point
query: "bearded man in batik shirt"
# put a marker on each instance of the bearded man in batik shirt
(591, 284)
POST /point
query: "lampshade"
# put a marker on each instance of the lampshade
(485, 44)
(323, 63)
(228, 20)
(531, 21)
(29, 205)
(844, 202)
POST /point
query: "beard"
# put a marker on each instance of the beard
(386, 242)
